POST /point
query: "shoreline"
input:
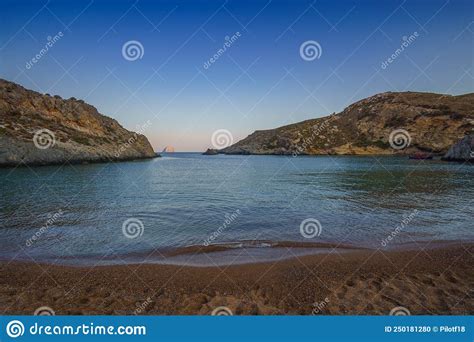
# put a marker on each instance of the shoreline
(432, 281)
(22, 164)
(12, 165)
(231, 253)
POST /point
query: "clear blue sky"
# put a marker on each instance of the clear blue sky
(260, 82)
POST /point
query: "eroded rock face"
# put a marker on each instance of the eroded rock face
(37, 129)
(463, 150)
(388, 123)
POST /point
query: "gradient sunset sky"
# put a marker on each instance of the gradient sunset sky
(260, 82)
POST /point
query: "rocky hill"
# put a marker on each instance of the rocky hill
(37, 129)
(387, 123)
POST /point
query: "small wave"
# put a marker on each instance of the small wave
(225, 246)
(242, 244)
(166, 158)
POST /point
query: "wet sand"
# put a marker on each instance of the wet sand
(436, 281)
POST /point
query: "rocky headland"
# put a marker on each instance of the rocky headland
(40, 129)
(384, 124)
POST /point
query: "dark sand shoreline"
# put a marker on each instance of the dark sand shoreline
(432, 281)
(219, 254)
(223, 254)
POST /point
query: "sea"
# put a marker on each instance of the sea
(197, 210)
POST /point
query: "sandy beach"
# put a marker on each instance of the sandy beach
(434, 281)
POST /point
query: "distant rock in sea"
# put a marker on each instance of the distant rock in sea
(168, 149)
(463, 150)
(211, 152)
(388, 123)
(37, 129)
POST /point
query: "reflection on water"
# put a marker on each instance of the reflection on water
(184, 199)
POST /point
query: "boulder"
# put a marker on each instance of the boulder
(211, 152)
(463, 150)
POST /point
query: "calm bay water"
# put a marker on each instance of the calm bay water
(77, 212)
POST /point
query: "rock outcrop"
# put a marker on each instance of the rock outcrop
(387, 123)
(462, 151)
(37, 129)
(211, 152)
(168, 149)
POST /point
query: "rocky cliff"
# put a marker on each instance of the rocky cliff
(462, 151)
(388, 123)
(37, 129)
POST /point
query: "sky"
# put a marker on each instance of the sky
(176, 93)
